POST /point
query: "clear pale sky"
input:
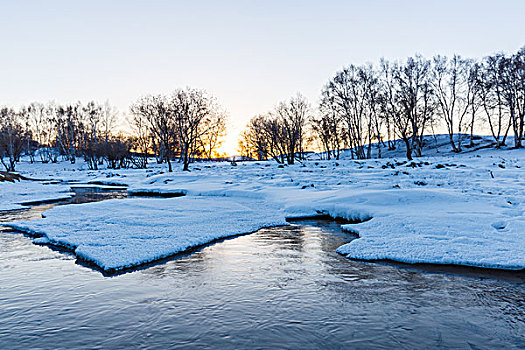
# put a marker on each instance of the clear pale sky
(249, 54)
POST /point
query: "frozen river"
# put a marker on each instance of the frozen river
(282, 287)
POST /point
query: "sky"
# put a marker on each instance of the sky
(248, 54)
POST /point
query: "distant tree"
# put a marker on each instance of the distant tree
(292, 116)
(352, 96)
(344, 94)
(212, 132)
(372, 91)
(186, 122)
(108, 120)
(191, 108)
(408, 97)
(141, 141)
(25, 120)
(276, 137)
(512, 70)
(254, 141)
(519, 68)
(416, 96)
(492, 98)
(69, 128)
(473, 95)
(117, 152)
(157, 111)
(40, 121)
(452, 88)
(393, 106)
(328, 129)
(92, 145)
(12, 138)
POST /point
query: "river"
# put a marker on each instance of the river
(282, 287)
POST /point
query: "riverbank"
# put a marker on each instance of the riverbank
(463, 209)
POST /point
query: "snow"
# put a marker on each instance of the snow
(59, 178)
(440, 227)
(118, 234)
(14, 195)
(443, 208)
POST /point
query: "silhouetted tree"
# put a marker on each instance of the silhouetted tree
(12, 138)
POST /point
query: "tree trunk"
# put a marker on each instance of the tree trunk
(409, 149)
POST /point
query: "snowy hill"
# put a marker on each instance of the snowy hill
(433, 146)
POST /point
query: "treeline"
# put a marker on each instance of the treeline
(368, 106)
(361, 107)
(46, 131)
(280, 134)
(182, 126)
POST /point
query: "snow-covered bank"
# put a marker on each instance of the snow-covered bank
(59, 178)
(15, 195)
(118, 234)
(457, 209)
(441, 227)
(448, 209)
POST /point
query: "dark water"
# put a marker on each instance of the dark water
(277, 288)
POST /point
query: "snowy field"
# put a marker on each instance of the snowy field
(444, 208)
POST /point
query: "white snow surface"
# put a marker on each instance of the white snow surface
(14, 195)
(443, 208)
(122, 233)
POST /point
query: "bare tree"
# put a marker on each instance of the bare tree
(156, 110)
(12, 138)
(372, 94)
(352, 95)
(473, 95)
(213, 130)
(25, 120)
(413, 95)
(394, 107)
(92, 144)
(346, 97)
(69, 126)
(512, 73)
(452, 89)
(190, 108)
(492, 98)
(264, 137)
(276, 136)
(519, 68)
(141, 141)
(293, 115)
(40, 120)
(108, 120)
(181, 123)
(254, 142)
(328, 129)
(117, 151)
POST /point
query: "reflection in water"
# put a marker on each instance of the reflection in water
(279, 287)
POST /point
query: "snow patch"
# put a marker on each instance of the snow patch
(122, 233)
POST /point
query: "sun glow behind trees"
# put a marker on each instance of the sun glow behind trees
(360, 105)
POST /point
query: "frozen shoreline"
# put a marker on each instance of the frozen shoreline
(121, 233)
(464, 209)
